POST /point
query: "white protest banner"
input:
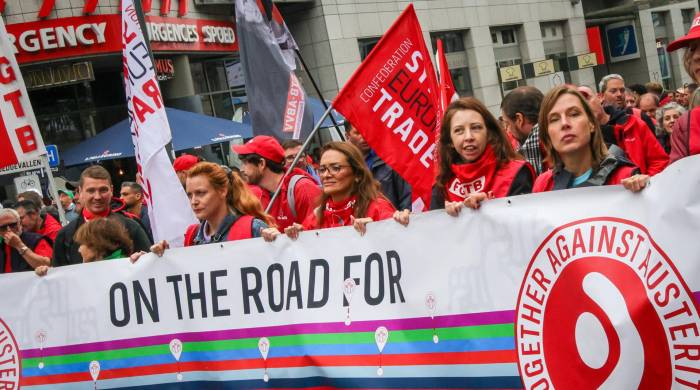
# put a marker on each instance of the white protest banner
(20, 139)
(587, 288)
(168, 208)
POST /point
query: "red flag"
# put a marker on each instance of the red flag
(448, 94)
(391, 99)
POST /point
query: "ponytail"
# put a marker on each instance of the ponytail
(241, 199)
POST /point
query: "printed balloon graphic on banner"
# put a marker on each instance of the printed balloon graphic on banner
(601, 306)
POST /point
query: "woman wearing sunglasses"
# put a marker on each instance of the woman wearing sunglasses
(350, 196)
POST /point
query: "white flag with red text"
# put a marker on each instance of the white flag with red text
(168, 207)
(20, 139)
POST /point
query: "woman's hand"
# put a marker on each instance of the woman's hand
(636, 183)
(473, 201)
(453, 208)
(402, 216)
(136, 256)
(160, 248)
(269, 234)
(293, 231)
(360, 224)
(41, 270)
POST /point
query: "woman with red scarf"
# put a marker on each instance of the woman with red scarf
(351, 196)
(477, 161)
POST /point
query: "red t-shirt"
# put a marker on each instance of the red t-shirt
(306, 195)
(44, 249)
(50, 228)
(338, 214)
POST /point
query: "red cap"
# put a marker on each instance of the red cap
(693, 33)
(185, 162)
(264, 146)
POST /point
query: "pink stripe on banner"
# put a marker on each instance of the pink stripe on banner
(472, 319)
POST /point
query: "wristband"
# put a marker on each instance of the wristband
(23, 250)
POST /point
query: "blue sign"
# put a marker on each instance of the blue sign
(52, 152)
(622, 41)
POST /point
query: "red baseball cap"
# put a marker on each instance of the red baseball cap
(185, 162)
(693, 34)
(264, 146)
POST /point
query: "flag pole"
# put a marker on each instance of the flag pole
(52, 189)
(296, 158)
(318, 91)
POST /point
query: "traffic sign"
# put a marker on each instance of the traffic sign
(52, 152)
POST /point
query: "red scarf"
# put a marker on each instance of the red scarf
(338, 213)
(88, 216)
(472, 177)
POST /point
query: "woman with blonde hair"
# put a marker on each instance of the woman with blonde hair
(226, 208)
(576, 149)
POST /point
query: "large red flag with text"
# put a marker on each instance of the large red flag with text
(391, 100)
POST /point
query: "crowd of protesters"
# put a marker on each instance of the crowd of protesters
(568, 137)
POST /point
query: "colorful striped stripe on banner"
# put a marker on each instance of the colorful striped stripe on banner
(473, 350)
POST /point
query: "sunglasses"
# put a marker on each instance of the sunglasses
(4, 228)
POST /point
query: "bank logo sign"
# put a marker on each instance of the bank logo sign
(602, 306)
(622, 41)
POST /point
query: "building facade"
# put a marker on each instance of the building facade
(491, 46)
(643, 29)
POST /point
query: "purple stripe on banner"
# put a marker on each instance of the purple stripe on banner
(697, 297)
(471, 319)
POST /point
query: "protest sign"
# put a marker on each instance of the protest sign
(391, 100)
(604, 294)
(20, 139)
(168, 208)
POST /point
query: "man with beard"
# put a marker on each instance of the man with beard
(132, 195)
(263, 165)
(95, 189)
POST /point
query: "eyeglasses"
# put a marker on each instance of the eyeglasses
(333, 169)
(13, 226)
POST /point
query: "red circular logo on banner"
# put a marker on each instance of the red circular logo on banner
(601, 306)
(10, 363)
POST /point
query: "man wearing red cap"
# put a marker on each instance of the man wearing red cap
(263, 165)
(183, 164)
(685, 138)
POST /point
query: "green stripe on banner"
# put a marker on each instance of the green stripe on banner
(400, 336)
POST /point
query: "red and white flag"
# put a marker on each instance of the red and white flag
(168, 207)
(448, 94)
(392, 98)
(20, 139)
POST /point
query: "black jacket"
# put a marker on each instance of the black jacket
(17, 262)
(393, 185)
(65, 250)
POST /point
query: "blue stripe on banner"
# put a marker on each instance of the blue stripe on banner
(507, 382)
(492, 344)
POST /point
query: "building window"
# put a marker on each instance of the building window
(219, 98)
(452, 41)
(366, 45)
(657, 18)
(508, 36)
(504, 36)
(687, 15)
(462, 81)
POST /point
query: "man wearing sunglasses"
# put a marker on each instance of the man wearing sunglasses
(20, 250)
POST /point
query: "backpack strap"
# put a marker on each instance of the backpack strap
(241, 229)
(190, 234)
(290, 194)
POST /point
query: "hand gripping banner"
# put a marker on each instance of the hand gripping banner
(527, 292)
